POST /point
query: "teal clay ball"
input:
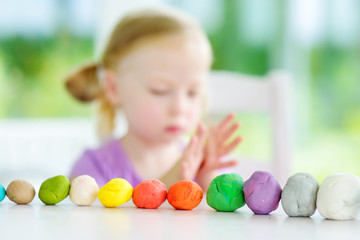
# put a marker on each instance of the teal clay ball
(2, 192)
(54, 190)
(225, 193)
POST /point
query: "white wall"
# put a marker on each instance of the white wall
(35, 149)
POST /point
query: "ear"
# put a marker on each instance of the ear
(111, 88)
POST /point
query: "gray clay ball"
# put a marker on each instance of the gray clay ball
(298, 197)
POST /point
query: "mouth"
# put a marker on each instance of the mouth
(174, 129)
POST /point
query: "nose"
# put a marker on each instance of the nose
(178, 104)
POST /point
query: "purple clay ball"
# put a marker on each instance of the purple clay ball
(262, 193)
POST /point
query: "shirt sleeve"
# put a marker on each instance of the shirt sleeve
(88, 164)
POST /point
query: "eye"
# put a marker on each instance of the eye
(192, 93)
(158, 92)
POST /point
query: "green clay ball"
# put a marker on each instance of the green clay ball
(225, 192)
(54, 190)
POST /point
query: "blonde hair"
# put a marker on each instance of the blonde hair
(84, 83)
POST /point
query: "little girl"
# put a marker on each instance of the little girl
(154, 68)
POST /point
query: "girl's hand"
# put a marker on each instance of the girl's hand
(193, 154)
(201, 161)
(218, 147)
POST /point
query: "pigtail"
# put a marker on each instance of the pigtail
(105, 118)
(83, 83)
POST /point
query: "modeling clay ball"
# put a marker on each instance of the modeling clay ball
(185, 195)
(298, 198)
(149, 194)
(116, 192)
(20, 192)
(225, 192)
(339, 197)
(83, 190)
(2, 192)
(54, 190)
(262, 193)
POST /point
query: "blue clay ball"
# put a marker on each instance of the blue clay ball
(2, 192)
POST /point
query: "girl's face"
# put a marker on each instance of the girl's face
(160, 86)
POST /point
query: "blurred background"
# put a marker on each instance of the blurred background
(317, 41)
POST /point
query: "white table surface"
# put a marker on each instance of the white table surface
(68, 221)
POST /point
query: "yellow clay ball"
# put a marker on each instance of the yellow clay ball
(116, 192)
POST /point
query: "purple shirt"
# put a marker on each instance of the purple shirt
(105, 163)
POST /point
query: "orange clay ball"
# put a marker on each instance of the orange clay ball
(185, 195)
(149, 194)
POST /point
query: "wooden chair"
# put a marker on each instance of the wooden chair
(233, 92)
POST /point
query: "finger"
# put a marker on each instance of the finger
(197, 155)
(201, 134)
(185, 173)
(211, 149)
(227, 164)
(197, 138)
(190, 148)
(190, 163)
(229, 148)
(196, 152)
(226, 121)
(228, 133)
(201, 130)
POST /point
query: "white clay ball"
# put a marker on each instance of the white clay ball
(339, 197)
(83, 190)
